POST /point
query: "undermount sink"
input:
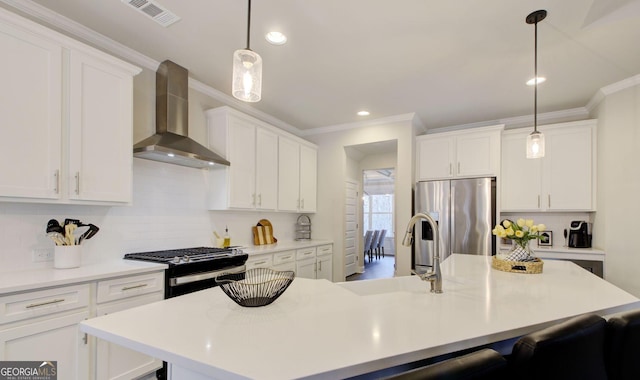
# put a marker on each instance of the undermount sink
(387, 285)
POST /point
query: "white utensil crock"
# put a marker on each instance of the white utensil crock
(67, 256)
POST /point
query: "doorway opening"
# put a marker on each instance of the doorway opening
(378, 215)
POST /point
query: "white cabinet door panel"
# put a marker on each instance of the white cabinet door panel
(31, 114)
(568, 168)
(55, 339)
(435, 158)
(520, 179)
(100, 141)
(308, 178)
(266, 170)
(288, 175)
(242, 155)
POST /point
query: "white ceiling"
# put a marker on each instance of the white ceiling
(452, 62)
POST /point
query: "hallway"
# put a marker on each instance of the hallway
(378, 268)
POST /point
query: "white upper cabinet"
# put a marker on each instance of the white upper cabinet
(459, 154)
(67, 118)
(297, 176)
(252, 149)
(564, 180)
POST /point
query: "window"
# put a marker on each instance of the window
(378, 212)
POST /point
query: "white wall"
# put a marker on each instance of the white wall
(616, 221)
(333, 171)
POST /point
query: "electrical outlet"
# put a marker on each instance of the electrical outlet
(42, 254)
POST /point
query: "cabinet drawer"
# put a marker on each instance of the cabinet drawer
(305, 253)
(326, 249)
(284, 257)
(43, 302)
(259, 262)
(125, 287)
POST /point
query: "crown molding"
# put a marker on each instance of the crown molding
(605, 91)
(407, 117)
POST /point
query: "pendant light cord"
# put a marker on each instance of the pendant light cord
(249, 25)
(535, 78)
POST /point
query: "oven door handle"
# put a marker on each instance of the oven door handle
(175, 281)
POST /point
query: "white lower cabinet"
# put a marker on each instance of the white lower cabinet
(113, 361)
(324, 260)
(306, 268)
(312, 262)
(42, 325)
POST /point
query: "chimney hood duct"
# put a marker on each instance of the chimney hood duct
(171, 143)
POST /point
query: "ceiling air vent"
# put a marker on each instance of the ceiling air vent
(154, 10)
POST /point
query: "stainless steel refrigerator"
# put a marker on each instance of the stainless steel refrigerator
(465, 210)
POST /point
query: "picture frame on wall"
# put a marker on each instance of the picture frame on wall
(546, 239)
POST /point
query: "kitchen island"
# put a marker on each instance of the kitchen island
(324, 330)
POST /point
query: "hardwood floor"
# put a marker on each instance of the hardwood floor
(380, 268)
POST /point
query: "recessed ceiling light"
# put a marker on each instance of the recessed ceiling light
(363, 113)
(276, 38)
(531, 81)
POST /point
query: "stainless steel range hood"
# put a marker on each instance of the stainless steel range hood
(171, 143)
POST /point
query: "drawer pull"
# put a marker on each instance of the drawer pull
(134, 287)
(260, 263)
(285, 257)
(44, 303)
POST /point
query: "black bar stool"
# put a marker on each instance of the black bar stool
(622, 348)
(572, 350)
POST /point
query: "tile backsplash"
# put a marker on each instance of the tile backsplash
(169, 210)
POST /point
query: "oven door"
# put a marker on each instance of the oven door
(177, 285)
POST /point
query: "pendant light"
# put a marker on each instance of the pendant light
(535, 141)
(247, 70)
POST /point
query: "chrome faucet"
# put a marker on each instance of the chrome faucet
(434, 276)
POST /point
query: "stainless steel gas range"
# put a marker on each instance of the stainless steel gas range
(193, 269)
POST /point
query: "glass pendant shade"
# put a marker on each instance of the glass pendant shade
(535, 145)
(247, 75)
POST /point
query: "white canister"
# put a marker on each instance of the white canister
(67, 256)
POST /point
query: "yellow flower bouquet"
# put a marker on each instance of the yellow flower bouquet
(520, 232)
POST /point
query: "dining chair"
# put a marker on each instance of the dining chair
(373, 243)
(367, 244)
(380, 244)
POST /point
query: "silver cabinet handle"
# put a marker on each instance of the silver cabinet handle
(302, 206)
(549, 200)
(286, 257)
(44, 303)
(320, 266)
(260, 262)
(77, 183)
(134, 287)
(538, 200)
(56, 176)
(458, 168)
(259, 199)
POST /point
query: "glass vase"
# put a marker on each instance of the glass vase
(520, 251)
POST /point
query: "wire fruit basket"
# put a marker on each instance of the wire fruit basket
(255, 287)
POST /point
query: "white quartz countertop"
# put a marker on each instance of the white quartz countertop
(318, 329)
(283, 246)
(16, 281)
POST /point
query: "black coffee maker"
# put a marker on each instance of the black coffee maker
(580, 234)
